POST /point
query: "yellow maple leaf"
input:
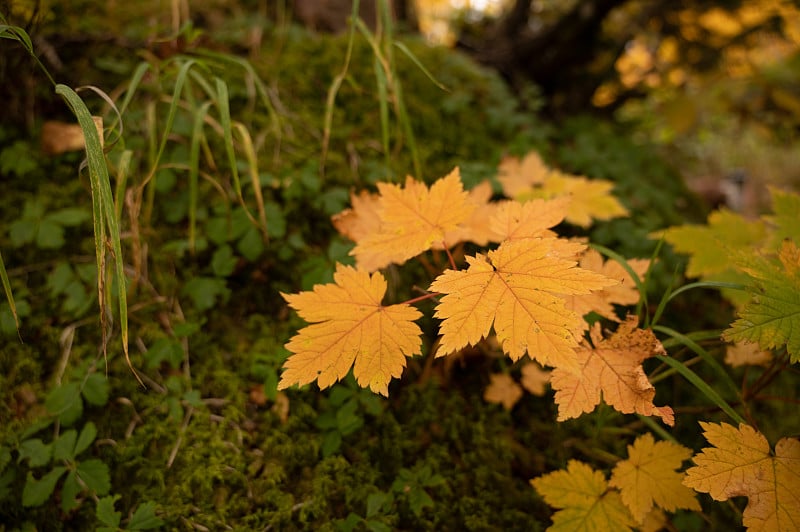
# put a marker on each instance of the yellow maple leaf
(476, 228)
(602, 301)
(709, 246)
(649, 477)
(412, 220)
(746, 354)
(503, 390)
(613, 369)
(514, 220)
(361, 219)
(584, 500)
(518, 176)
(515, 288)
(534, 378)
(740, 464)
(590, 199)
(349, 325)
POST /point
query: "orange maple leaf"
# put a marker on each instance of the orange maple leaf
(349, 324)
(515, 288)
(649, 477)
(476, 228)
(590, 199)
(602, 301)
(412, 220)
(502, 389)
(361, 219)
(519, 176)
(584, 500)
(534, 378)
(746, 354)
(740, 464)
(514, 220)
(613, 369)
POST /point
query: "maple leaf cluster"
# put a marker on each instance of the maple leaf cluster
(647, 483)
(641, 487)
(532, 290)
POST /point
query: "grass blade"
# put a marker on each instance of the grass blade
(106, 225)
(702, 353)
(704, 388)
(9, 293)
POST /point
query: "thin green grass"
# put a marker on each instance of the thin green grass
(106, 225)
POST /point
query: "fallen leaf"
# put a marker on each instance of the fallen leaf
(534, 378)
(502, 390)
(746, 354)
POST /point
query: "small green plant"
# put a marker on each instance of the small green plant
(83, 476)
(347, 404)
(143, 518)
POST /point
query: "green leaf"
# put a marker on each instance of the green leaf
(251, 245)
(65, 403)
(709, 245)
(6, 480)
(36, 452)
(94, 474)
(347, 419)
(5, 458)
(22, 232)
(36, 492)
(276, 223)
(186, 329)
(69, 492)
(349, 523)
(331, 443)
(50, 235)
(377, 526)
(144, 518)
(74, 216)
(164, 349)
(88, 435)
(204, 291)
(64, 446)
(378, 503)
(785, 221)
(772, 316)
(192, 397)
(60, 277)
(223, 261)
(105, 511)
(418, 499)
(95, 389)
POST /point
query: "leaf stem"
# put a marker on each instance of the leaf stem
(417, 299)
